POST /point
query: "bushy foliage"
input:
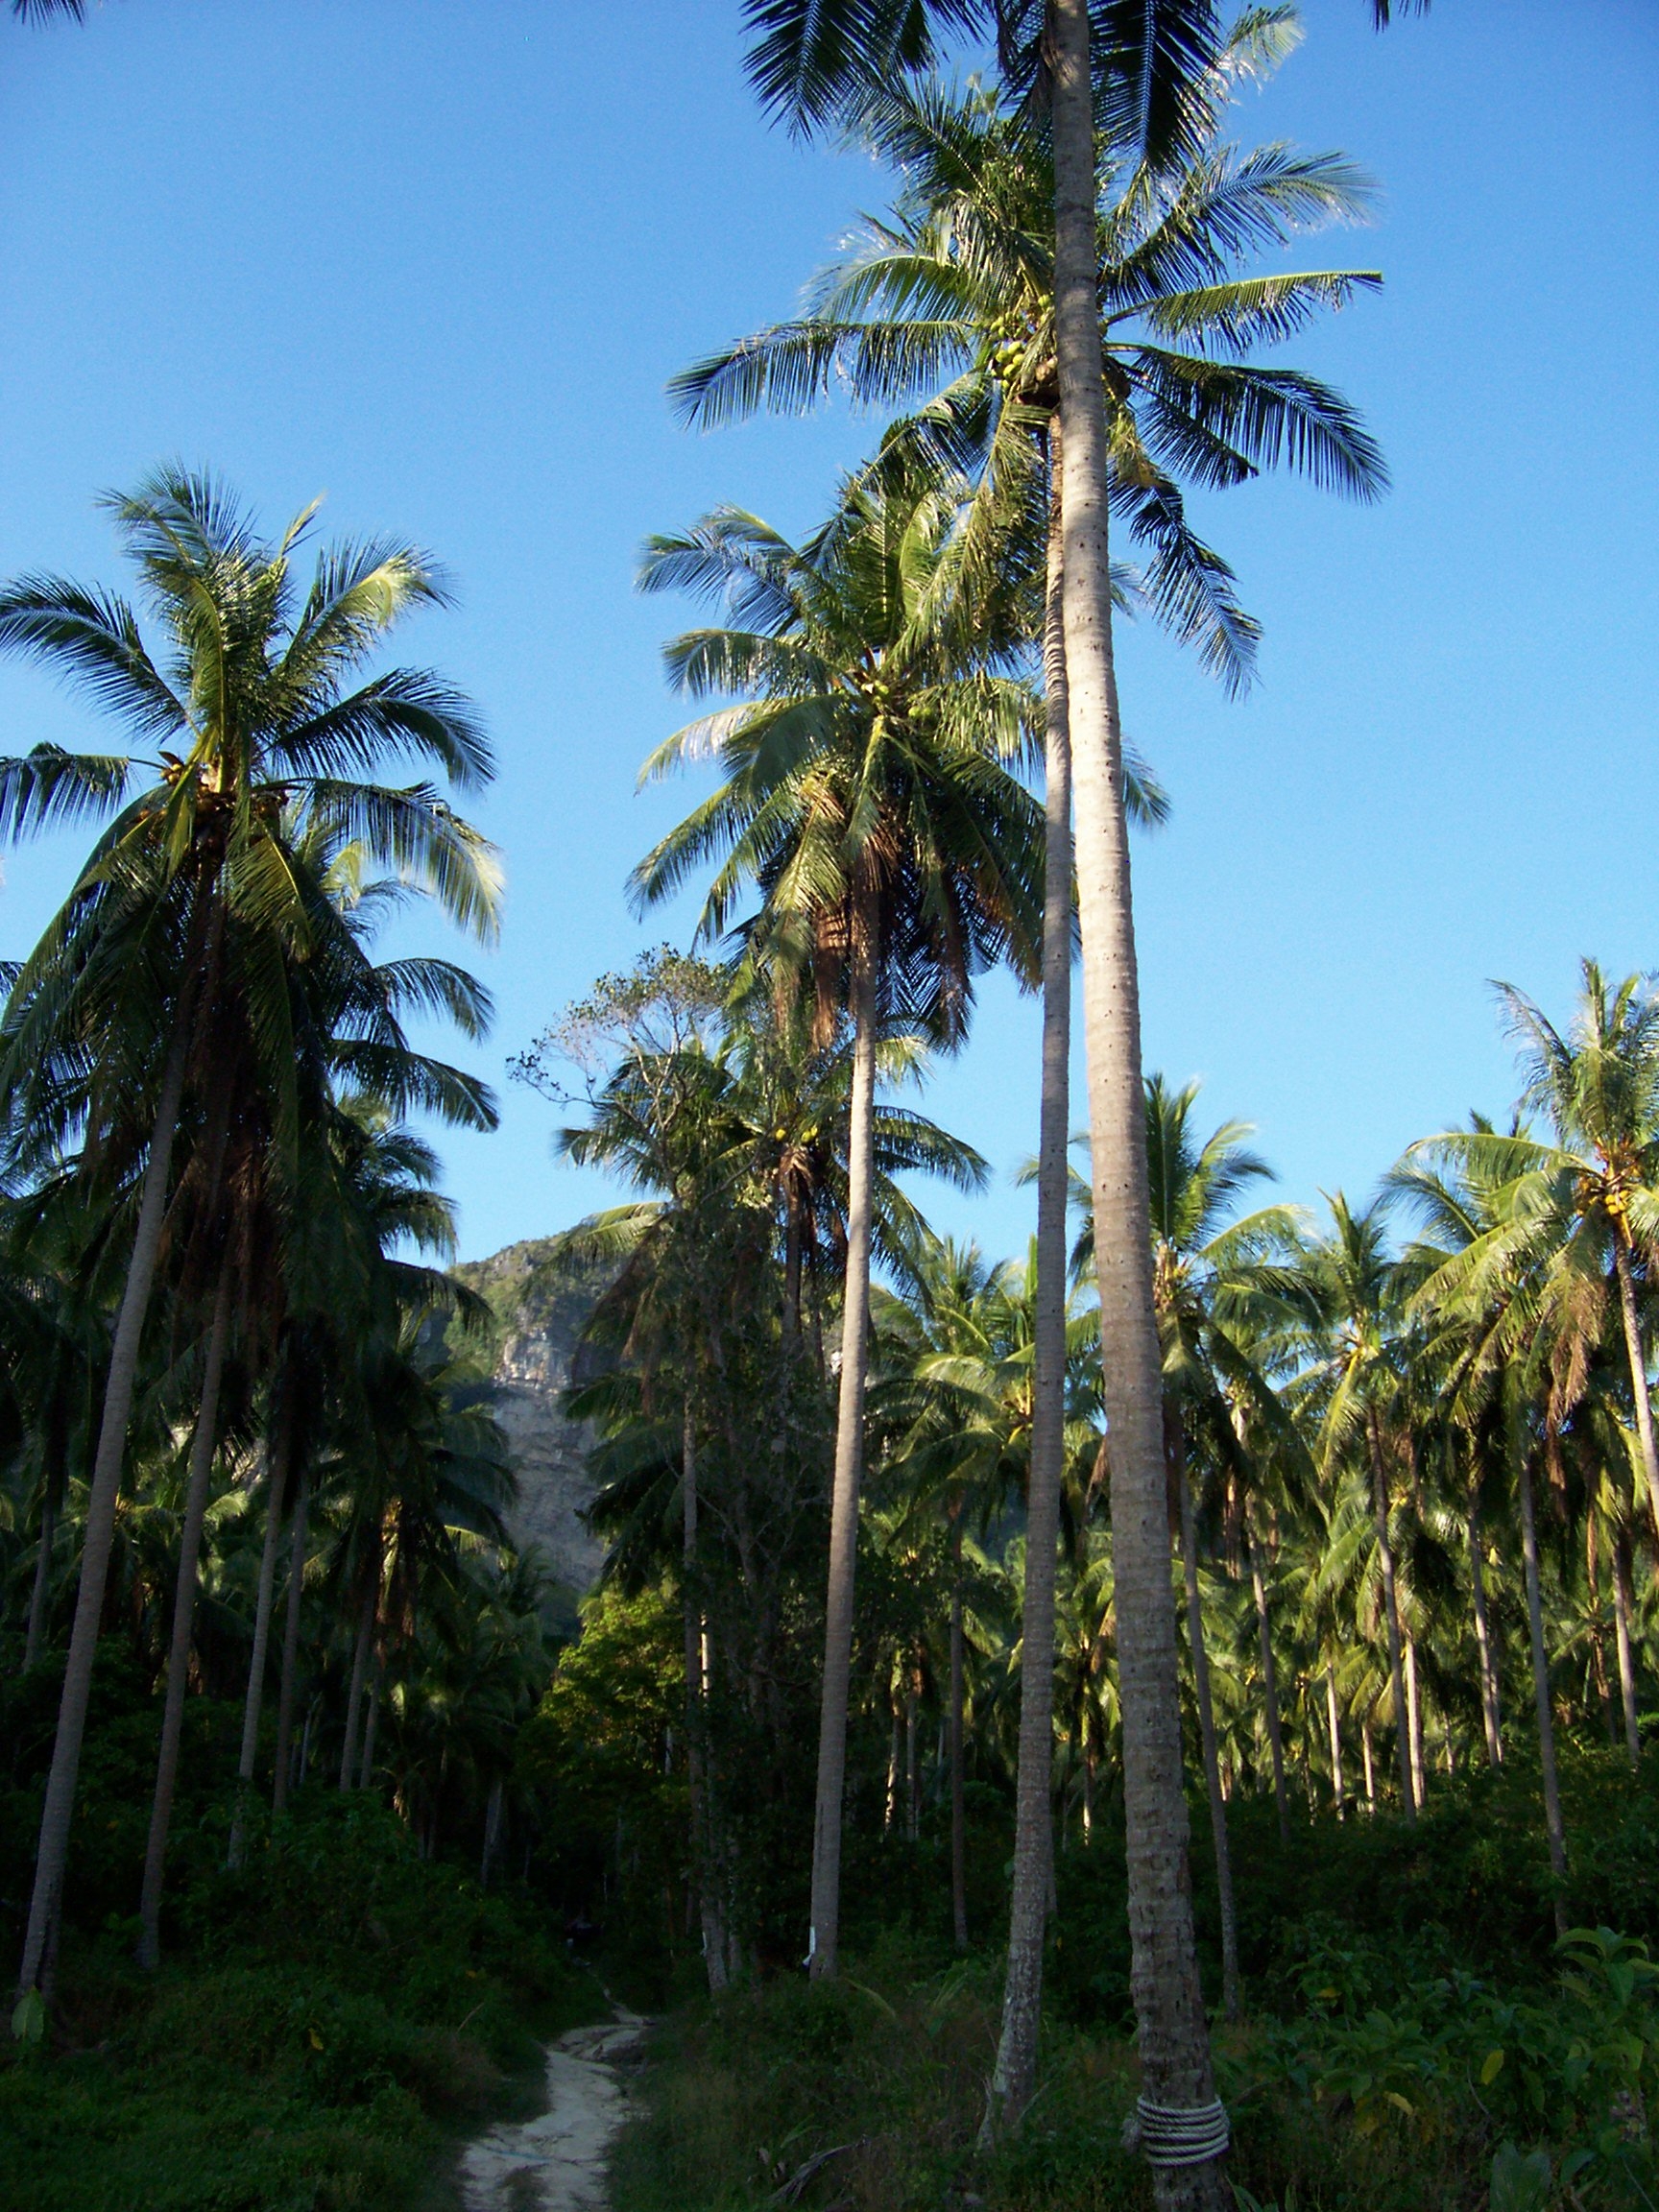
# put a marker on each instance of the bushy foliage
(331, 2013)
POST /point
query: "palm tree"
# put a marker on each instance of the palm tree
(865, 794)
(114, 1009)
(1352, 1294)
(1153, 68)
(963, 275)
(1595, 1195)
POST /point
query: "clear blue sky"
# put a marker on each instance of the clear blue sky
(438, 259)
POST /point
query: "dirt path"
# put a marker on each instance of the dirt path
(556, 2163)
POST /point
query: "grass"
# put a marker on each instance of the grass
(1410, 2016)
(328, 2025)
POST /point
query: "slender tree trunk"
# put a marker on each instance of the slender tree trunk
(1207, 1723)
(371, 1722)
(1016, 2071)
(1088, 1786)
(1638, 1359)
(1391, 1609)
(1334, 1721)
(1174, 2040)
(704, 1856)
(1491, 1719)
(291, 1640)
(890, 1809)
(1621, 1608)
(1415, 1716)
(58, 1812)
(824, 1939)
(35, 1640)
(491, 1831)
(276, 1483)
(203, 1447)
(1270, 1690)
(792, 1265)
(1597, 1627)
(359, 1669)
(1370, 1770)
(1540, 1699)
(958, 1814)
(912, 1770)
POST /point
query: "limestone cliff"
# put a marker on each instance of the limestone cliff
(541, 1305)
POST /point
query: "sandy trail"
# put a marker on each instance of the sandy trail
(556, 2163)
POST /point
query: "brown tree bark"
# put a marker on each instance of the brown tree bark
(705, 1856)
(1414, 1717)
(824, 1937)
(203, 1446)
(1637, 1357)
(1391, 1609)
(1270, 1688)
(958, 1811)
(291, 1640)
(1016, 2072)
(1541, 1697)
(367, 1608)
(1623, 1603)
(1491, 1717)
(58, 1811)
(1174, 2040)
(275, 1484)
(1205, 1721)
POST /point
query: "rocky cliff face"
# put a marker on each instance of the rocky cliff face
(541, 1305)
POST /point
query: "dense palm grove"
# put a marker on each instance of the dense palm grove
(939, 1586)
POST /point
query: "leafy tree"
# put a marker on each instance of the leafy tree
(866, 796)
(190, 899)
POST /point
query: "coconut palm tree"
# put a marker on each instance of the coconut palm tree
(1352, 1295)
(867, 795)
(1149, 73)
(190, 889)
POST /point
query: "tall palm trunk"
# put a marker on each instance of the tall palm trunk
(705, 1857)
(58, 1812)
(1541, 1697)
(1174, 2040)
(1597, 1625)
(1370, 1770)
(371, 1722)
(1270, 1688)
(792, 1256)
(1638, 1361)
(1334, 1720)
(1206, 1719)
(275, 1484)
(35, 1640)
(203, 1448)
(1414, 1719)
(1491, 1719)
(360, 1667)
(1391, 1610)
(493, 1824)
(912, 1768)
(1016, 2073)
(958, 1810)
(291, 1640)
(824, 1939)
(1622, 1609)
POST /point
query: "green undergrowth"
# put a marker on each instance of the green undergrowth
(328, 2022)
(1416, 2040)
(867, 2096)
